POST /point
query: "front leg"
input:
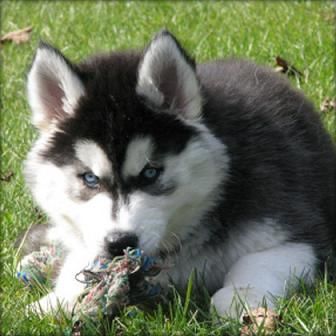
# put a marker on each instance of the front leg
(67, 288)
(256, 279)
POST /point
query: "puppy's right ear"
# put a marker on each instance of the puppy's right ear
(53, 86)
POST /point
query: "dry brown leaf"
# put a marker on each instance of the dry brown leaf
(18, 36)
(259, 319)
(285, 67)
(328, 104)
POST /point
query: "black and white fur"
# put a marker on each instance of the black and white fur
(245, 187)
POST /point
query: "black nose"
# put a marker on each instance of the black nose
(116, 242)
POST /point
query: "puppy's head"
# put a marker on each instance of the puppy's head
(122, 156)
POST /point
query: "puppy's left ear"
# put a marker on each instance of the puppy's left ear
(53, 86)
(167, 78)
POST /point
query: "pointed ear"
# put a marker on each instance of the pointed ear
(167, 78)
(53, 87)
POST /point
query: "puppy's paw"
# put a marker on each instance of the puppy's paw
(235, 301)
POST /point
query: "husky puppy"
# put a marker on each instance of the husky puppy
(221, 168)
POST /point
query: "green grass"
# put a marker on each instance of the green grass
(301, 32)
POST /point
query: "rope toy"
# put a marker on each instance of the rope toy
(110, 284)
(114, 284)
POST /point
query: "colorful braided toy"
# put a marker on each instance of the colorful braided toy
(111, 284)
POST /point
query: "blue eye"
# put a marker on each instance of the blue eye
(151, 173)
(91, 180)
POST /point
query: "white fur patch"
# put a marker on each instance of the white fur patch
(93, 157)
(80, 225)
(50, 74)
(138, 154)
(163, 52)
(264, 276)
(279, 266)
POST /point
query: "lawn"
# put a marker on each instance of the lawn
(300, 32)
